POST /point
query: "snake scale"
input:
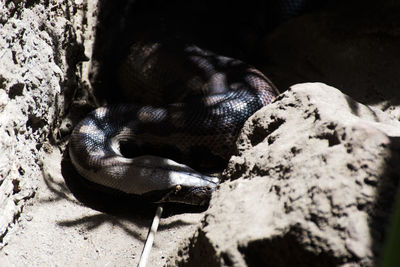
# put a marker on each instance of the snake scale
(199, 102)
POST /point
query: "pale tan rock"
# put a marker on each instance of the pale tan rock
(312, 185)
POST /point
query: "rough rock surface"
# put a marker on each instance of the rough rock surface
(32, 71)
(312, 185)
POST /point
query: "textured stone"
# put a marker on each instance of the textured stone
(30, 79)
(312, 185)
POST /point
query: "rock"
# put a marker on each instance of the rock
(312, 185)
(38, 50)
(29, 82)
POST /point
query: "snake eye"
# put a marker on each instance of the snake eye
(178, 188)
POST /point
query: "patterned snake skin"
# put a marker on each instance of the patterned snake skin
(197, 104)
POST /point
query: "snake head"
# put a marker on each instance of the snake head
(197, 196)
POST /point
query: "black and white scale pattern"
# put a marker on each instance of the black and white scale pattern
(136, 148)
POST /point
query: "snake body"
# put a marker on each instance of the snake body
(196, 104)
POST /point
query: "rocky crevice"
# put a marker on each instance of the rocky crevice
(36, 69)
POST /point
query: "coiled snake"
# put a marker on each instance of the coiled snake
(199, 103)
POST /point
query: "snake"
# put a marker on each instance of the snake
(195, 104)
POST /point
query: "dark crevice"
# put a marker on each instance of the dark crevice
(260, 170)
(35, 122)
(31, 3)
(387, 185)
(260, 133)
(332, 138)
(16, 90)
(201, 253)
(257, 135)
(351, 167)
(295, 150)
(355, 108)
(283, 252)
(235, 172)
(2, 82)
(319, 221)
(227, 259)
(16, 186)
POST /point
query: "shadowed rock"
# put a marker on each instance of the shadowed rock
(312, 185)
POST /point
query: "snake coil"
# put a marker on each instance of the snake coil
(198, 102)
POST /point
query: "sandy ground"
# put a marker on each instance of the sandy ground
(89, 237)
